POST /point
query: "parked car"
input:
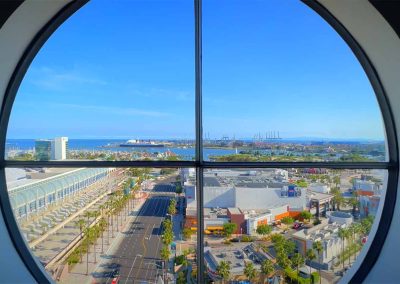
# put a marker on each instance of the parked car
(298, 225)
(115, 276)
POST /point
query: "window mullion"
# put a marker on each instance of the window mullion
(200, 225)
(199, 141)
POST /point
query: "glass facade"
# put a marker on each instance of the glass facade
(43, 150)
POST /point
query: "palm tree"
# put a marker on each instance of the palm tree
(224, 270)
(267, 267)
(357, 227)
(88, 215)
(318, 247)
(348, 236)
(297, 261)
(336, 181)
(108, 213)
(102, 224)
(310, 256)
(95, 233)
(81, 224)
(250, 271)
(116, 210)
(342, 235)
(87, 240)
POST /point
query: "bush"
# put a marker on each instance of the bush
(229, 228)
(73, 259)
(181, 278)
(316, 222)
(227, 242)
(314, 277)
(187, 234)
(264, 229)
(294, 278)
(179, 259)
(287, 220)
(247, 239)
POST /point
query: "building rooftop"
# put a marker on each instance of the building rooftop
(318, 196)
(215, 212)
(322, 232)
(235, 210)
(211, 181)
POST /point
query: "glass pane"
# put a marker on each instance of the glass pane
(101, 225)
(280, 224)
(117, 80)
(279, 84)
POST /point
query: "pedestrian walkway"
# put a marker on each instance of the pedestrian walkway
(87, 271)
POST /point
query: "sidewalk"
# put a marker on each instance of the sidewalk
(78, 272)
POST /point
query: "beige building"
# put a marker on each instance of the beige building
(328, 235)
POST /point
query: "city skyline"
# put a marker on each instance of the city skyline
(299, 78)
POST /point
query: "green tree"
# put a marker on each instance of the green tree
(289, 247)
(287, 220)
(167, 224)
(95, 233)
(172, 207)
(297, 261)
(181, 278)
(165, 254)
(283, 260)
(81, 224)
(353, 202)
(224, 270)
(267, 267)
(310, 256)
(338, 198)
(301, 183)
(305, 215)
(348, 235)
(342, 236)
(187, 233)
(250, 271)
(167, 237)
(367, 224)
(277, 238)
(318, 247)
(264, 229)
(336, 181)
(229, 228)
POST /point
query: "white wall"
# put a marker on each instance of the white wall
(15, 35)
(382, 46)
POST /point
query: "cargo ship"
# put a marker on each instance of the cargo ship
(138, 143)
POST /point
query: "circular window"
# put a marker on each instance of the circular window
(242, 142)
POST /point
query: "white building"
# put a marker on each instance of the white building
(319, 187)
(254, 219)
(249, 198)
(328, 235)
(60, 148)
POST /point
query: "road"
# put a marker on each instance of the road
(137, 257)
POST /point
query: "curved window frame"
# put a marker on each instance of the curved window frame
(392, 165)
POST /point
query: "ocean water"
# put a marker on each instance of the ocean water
(98, 144)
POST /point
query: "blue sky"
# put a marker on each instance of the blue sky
(125, 69)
